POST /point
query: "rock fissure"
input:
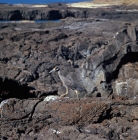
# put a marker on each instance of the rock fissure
(33, 110)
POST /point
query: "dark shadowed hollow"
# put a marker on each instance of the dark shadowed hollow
(12, 89)
(131, 57)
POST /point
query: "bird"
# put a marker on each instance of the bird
(68, 83)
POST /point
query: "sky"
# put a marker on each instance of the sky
(38, 1)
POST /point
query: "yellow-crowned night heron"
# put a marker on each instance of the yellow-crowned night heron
(68, 83)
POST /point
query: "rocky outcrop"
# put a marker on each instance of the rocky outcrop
(102, 66)
(10, 12)
(115, 63)
(98, 54)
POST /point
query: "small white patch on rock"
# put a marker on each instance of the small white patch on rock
(51, 98)
(55, 131)
(17, 29)
(88, 131)
(3, 103)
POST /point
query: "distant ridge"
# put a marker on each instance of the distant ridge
(130, 2)
(118, 2)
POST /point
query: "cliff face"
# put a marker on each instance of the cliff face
(99, 53)
(9, 12)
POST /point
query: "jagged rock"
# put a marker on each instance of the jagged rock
(56, 11)
(105, 67)
(126, 83)
(99, 54)
(96, 65)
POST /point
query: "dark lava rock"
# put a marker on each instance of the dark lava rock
(61, 11)
(97, 53)
(35, 119)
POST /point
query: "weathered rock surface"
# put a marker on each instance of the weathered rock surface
(98, 53)
(85, 119)
(61, 11)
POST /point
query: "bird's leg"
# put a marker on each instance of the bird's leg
(67, 91)
(77, 94)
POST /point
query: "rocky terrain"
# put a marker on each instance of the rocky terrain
(96, 48)
(62, 11)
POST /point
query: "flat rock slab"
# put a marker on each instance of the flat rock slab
(92, 118)
(85, 111)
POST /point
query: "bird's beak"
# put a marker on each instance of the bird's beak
(53, 70)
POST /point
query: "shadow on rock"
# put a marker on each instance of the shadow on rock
(12, 89)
